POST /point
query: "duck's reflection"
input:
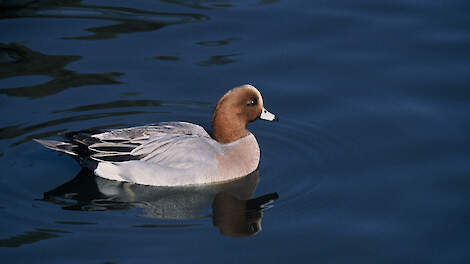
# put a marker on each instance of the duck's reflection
(238, 218)
(233, 212)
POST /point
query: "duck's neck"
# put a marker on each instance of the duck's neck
(227, 127)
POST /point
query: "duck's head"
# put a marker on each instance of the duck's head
(238, 107)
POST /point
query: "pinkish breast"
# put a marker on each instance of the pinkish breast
(239, 158)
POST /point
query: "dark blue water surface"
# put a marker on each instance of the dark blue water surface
(369, 164)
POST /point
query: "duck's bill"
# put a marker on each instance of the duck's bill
(266, 115)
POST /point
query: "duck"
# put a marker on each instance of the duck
(175, 153)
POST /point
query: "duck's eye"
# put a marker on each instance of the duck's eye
(252, 102)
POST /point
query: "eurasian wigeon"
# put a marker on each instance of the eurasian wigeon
(175, 153)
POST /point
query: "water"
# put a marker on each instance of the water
(369, 163)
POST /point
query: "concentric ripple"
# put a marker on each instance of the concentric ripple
(295, 157)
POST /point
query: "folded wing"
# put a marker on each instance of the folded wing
(172, 144)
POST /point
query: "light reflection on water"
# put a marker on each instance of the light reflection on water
(369, 159)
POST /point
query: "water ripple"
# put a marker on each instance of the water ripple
(28, 62)
(216, 4)
(129, 20)
(127, 103)
(309, 149)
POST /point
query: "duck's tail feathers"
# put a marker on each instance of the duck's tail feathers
(65, 147)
